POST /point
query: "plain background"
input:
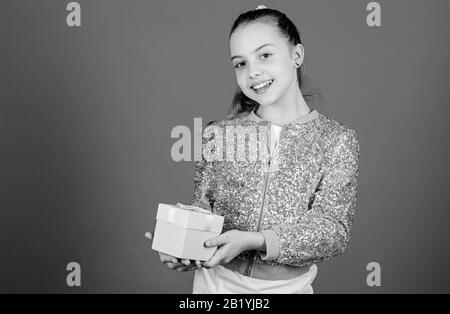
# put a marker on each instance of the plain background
(86, 116)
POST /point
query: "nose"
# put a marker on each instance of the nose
(254, 72)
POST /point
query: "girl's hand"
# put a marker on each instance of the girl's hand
(231, 244)
(175, 263)
(178, 264)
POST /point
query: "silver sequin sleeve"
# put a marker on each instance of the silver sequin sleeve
(324, 230)
(203, 180)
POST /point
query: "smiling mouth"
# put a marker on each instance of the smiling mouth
(262, 85)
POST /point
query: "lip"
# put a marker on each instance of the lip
(259, 82)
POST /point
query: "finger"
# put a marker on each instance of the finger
(198, 264)
(192, 268)
(181, 268)
(149, 235)
(214, 260)
(186, 262)
(172, 265)
(168, 258)
(219, 240)
(193, 265)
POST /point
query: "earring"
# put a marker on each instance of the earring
(297, 65)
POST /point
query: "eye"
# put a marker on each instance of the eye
(239, 65)
(266, 55)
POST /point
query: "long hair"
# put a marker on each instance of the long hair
(241, 104)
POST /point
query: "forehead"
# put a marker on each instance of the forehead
(249, 37)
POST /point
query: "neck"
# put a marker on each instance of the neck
(285, 110)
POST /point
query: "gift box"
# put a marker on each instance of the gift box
(181, 231)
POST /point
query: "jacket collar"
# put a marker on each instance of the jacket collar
(300, 120)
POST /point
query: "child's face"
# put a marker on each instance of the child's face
(274, 63)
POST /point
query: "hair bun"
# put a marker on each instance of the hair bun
(261, 6)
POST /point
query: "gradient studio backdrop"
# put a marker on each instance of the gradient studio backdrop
(85, 131)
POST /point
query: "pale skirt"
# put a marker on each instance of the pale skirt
(221, 280)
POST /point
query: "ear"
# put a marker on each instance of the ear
(298, 54)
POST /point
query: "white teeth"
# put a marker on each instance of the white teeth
(263, 84)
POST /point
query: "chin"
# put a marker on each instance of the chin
(266, 101)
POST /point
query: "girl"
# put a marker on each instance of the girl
(291, 210)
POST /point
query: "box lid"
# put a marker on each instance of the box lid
(189, 218)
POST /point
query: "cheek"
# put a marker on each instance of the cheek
(284, 75)
(241, 80)
(279, 71)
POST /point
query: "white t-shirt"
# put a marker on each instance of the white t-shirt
(275, 132)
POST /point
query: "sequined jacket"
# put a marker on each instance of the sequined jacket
(302, 198)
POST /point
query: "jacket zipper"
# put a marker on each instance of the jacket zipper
(266, 180)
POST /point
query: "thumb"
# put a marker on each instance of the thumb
(149, 235)
(219, 240)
